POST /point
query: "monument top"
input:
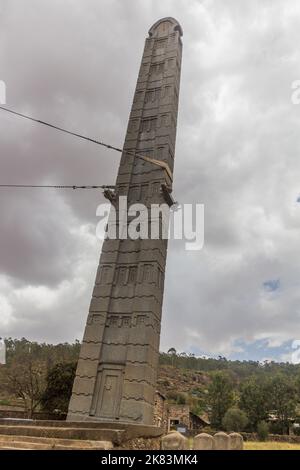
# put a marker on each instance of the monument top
(163, 26)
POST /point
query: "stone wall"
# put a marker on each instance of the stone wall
(272, 437)
(160, 416)
(18, 414)
(180, 413)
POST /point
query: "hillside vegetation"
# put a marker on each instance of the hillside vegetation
(234, 394)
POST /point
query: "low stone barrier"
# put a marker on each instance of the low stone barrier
(203, 441)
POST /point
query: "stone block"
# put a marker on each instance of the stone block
(113, 353)
(87, 368)
(221, 441)
(236, 441)
(174, 441)
(90, 351)
(99, 304)
(203, 441)
(94, 331)
(138, 391)
(80, 403)
(84, 385)
(136, 412)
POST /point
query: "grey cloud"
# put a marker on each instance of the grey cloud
(75, 64)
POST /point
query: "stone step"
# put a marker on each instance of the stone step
(13, 448)
(20, 445)
(44, 443)
(127, 430)
(86, 434)
(44, 440)
(62, 424)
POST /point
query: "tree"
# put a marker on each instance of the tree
(221, 397)
(235, 420)
(283, 395)
(59, 387)
(25, 371)
(254, 401)
(26, 380)
(173, 353)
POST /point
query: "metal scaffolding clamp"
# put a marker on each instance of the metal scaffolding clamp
(163, 165)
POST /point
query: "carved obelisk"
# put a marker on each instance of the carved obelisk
(117, 367)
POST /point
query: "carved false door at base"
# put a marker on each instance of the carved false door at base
(109, 392)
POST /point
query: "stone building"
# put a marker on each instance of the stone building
(180, 416)
(172, 417)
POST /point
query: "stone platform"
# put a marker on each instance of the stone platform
(62, 435)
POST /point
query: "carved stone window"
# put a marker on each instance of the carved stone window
(149, 124)
(153, 95)
(141, 320)
(165, 120)
(113, 320)
(160, 45)
(157, 68)
(156, 187)
(123, 276)
(126, 323)
(132, 274)
(167, 91)
(103, 276)
(147, 273)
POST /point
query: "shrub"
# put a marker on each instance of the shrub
(59, 387)
(296, 431)
(176, 397)
(263, 430)
(235, 420)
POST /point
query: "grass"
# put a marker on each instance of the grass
(249, 445)
(4, 402)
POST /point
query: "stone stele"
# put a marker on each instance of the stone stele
(174, 441)
(236, 441)
(203, 441)
(221, 441)
(117, 368)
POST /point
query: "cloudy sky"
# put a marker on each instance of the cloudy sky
(75, 63)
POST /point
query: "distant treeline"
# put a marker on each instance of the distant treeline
(241, 369)
(51, 354)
